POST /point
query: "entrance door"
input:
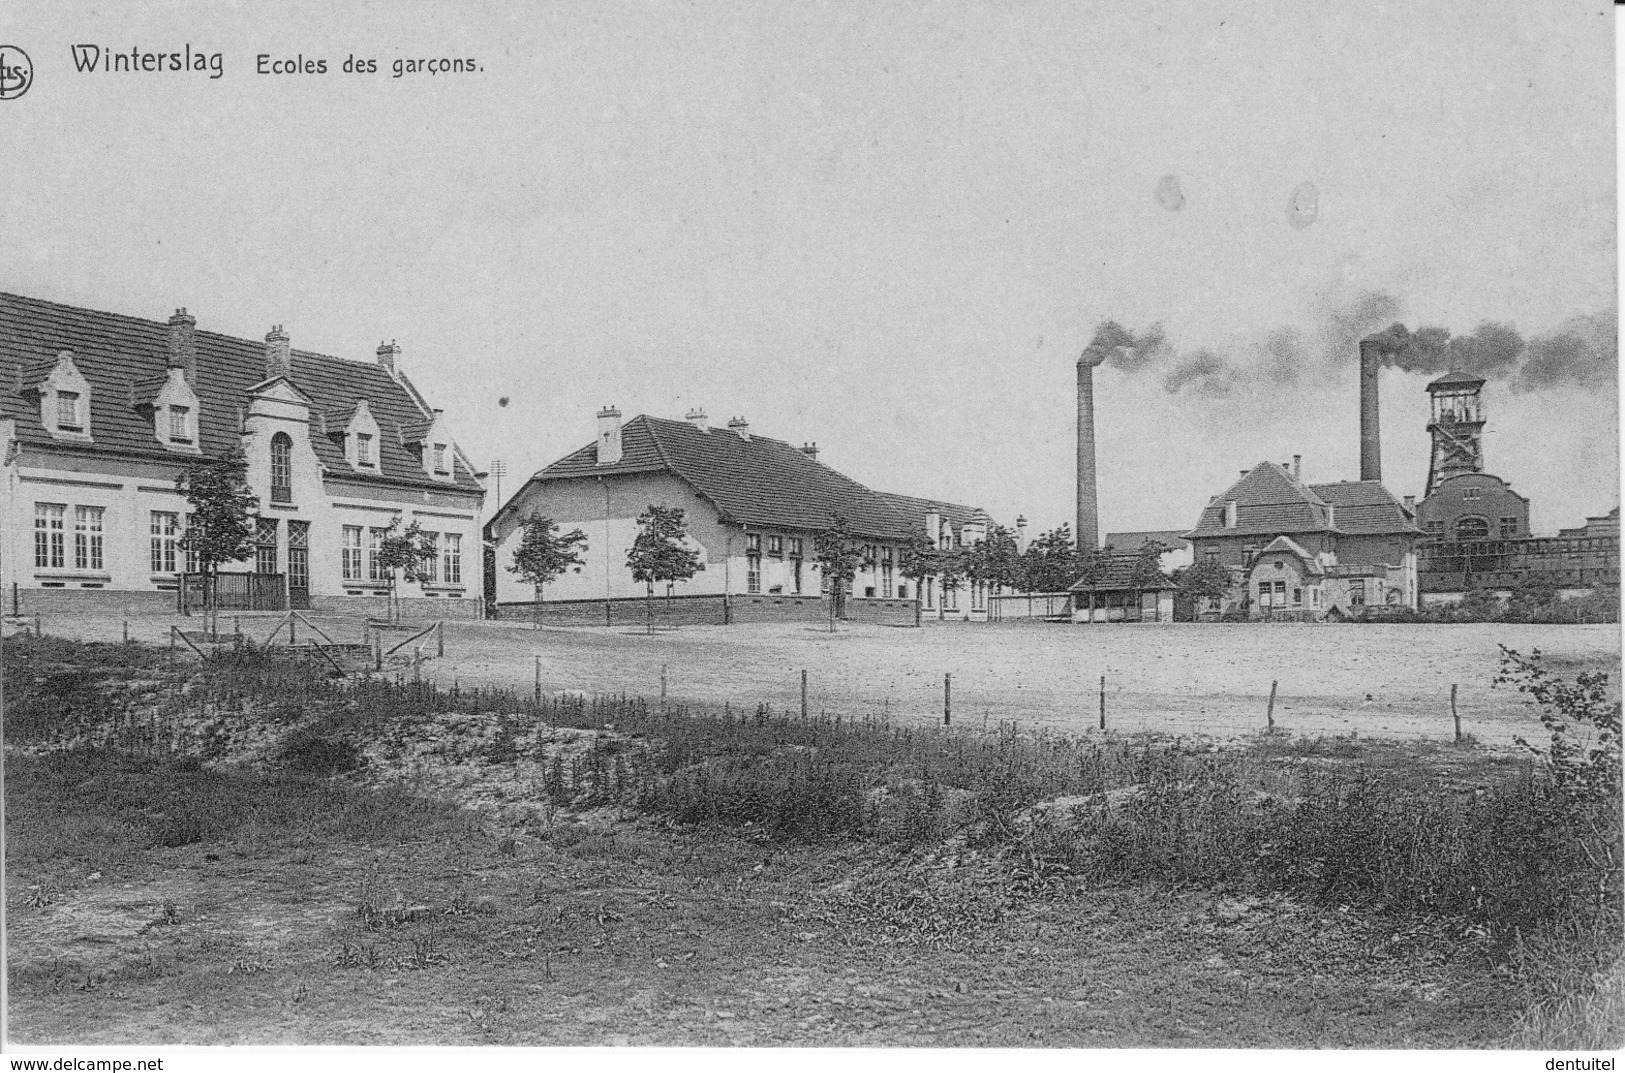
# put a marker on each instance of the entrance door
(299, 565)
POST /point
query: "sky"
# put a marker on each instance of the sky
(889, 229)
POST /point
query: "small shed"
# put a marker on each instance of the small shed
(1123, 588)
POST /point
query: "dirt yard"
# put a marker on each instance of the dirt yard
(1371, 680)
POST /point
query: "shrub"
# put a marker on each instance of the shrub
(313, 751)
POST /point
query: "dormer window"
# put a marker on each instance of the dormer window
(67, 412)
(363, 449)
(1230, 514)
(441, 463)
(180, 424)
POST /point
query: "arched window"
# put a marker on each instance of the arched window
(1473, 529)
(281, 468)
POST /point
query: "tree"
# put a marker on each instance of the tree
(409, 553)
(544, 553)
(660, 553)
(221, 519)
(838, 554)
(1051, 563)
(1202, 582)
(994, 560)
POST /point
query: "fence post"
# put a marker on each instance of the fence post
(803, 693)
(417, 663)
(947, 699)
(37, 628)
(293, 635)
(440, 638)
(662, 683)
(1454, 713)
(1103, 702)
(538, 679)
(377, 649)
(1269, 713)
(126, 631)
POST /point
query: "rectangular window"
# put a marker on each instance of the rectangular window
(795, 547)
(265, 541)
(1264, 598)
(431, 561)
(753, 543)
(1211, 555)
(191, 552)
(1468, 494)
(179, 432)
(1248, 551)
(753, 571)
(351, 550)
(775, 545)
(363, 449)
(440, 464)
(1509, 528)
(1357, 592)
(48, 537)
(795, 574)
(1297, 596)
(451, 557)
(67, 410)
(375, 545)
(298, 555)
(87, 538)
(166, 526)
(886, 577)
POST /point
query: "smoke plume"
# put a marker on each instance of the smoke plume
(1581, 352)
(1122, 349)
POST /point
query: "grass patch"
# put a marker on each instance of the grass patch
(706, 840)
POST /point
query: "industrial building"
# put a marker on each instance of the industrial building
(755, 508)
(100, 412)
(1477, 527)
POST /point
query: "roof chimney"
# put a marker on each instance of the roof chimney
(609, 436)
(741, 426)
(1371, 351)
(278, 354)
(183, 343)
(697, 418)
(1297, 466)
(810, 450)
(388, 354)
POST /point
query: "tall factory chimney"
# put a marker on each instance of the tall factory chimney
(1371, 352)
(1087, 533)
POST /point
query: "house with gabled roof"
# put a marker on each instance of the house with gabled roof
(755, 507)
(1360, 539)
(99, 412)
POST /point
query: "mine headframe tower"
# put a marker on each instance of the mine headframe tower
(1457, 427)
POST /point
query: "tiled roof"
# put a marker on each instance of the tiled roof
(1270, 501)
(757, 481)
(1292, 547)
(1115, 573)
(1365, 507)
(119, 354)
(1169, 538)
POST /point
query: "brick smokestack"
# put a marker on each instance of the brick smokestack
(1371, 352)
(1087, 532)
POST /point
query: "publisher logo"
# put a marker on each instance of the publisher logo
(16, 72)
